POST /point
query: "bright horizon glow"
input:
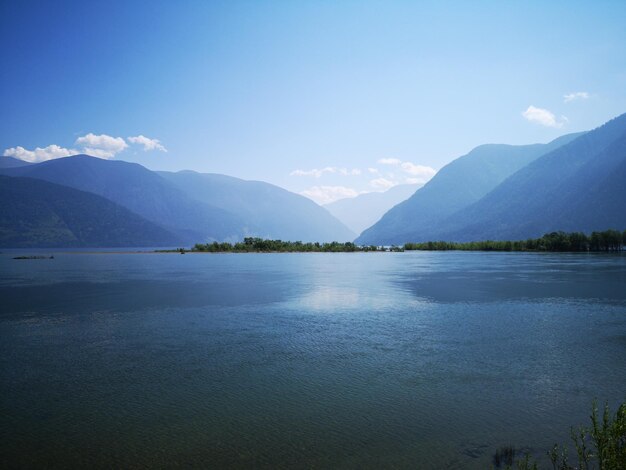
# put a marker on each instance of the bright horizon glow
(324, 99)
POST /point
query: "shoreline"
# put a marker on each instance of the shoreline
(24, 253)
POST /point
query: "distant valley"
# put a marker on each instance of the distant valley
(363, 211)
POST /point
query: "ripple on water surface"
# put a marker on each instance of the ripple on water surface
(426, 360)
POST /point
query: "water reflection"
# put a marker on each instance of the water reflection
(492, 277)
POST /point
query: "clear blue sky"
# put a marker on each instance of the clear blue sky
(261, 89)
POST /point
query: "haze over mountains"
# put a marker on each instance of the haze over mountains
(575, 183)
(580, 186)
(166, 202)
(140, 190)
(456, 186)
(364, 210)
(268, 211)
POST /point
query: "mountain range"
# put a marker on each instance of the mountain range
(10, 162)
(178, 205)
(580, 186)
(456, 186)
(574, 183)
(37, 213)
(268, 211)
(141, 191)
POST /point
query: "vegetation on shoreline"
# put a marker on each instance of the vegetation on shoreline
(601, 446)
(608, 240)
(259, 245)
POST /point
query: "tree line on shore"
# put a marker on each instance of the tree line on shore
(608, 240)
(260, 245)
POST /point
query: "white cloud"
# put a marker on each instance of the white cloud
(327, 194)
(382, 183)
(148, 144)
(389, 161)
(420, 172)
(101, 146)
(543, 117)
(578, 95)
(39, 154)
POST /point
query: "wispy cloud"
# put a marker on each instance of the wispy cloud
(543, 117)
(369, 180)
(317, 173)
(578, 95)
(327, 194)
(39, 154)
(147, 143)
(420, 172)
(382, 183)
(314, 172)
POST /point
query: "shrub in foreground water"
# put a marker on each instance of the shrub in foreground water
(601, 446)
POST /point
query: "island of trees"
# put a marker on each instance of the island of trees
(259, 245)
(607, 241)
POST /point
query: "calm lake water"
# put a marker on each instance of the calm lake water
(367, 360)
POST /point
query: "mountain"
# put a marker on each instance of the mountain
(456, 186)
(36, 213)
(268, 211)
(10, 162)
(580, 186)
(364, 210)
(141, 191)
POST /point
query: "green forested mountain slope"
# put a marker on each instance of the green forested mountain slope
(36, 213)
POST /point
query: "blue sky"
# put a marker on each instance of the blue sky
(326, 98)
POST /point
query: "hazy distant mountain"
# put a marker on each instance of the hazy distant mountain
(268, 211)
(578, 187)
(363, 211)
(141, 191)
(456, 186)
(36, 213)
(10, 162)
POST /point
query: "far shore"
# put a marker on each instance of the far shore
(608, 241)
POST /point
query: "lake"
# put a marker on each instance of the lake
(348, 360)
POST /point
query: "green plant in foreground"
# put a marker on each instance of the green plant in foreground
(609, 438)
(601, 446)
